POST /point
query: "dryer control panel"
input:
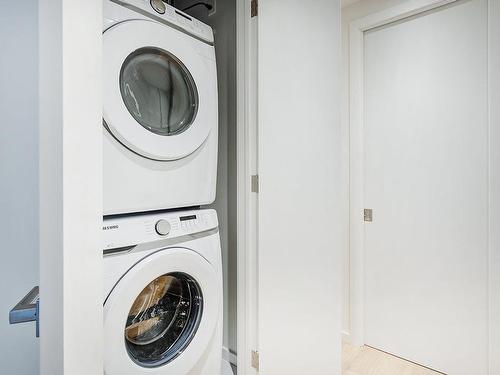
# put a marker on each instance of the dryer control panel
(160, 11)
(131, 230)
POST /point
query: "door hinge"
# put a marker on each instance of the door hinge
(368, 214)
(255, 183)
(254, 8)
(255, 359)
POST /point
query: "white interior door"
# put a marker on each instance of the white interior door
(426, 179)
(299, 253)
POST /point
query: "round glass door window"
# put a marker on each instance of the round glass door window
(158, 91)
(163, 319)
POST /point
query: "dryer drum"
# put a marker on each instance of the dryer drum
(158, 91)
(163, 319)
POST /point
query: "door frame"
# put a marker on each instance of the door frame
(247, 198)
(357, 29)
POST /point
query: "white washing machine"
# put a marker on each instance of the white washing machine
(160, 110)
(163, 294)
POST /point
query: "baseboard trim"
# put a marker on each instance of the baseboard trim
(229, 356)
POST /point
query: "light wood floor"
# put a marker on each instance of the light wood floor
(369, 361)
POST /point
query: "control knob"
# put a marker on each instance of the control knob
(162, 227)
(158, 6)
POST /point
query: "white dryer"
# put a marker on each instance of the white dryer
(160, 110)
(163, 294)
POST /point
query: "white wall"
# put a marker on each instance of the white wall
(18, 179)
(350, 12)
(70, 183)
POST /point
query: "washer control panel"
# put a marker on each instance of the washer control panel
(123, 231)
(157, 9)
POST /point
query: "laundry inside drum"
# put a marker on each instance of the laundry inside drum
(163, 319)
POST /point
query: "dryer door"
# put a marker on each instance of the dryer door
(160, 94)
(161, 315)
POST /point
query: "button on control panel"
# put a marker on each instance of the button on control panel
(159, 6)
(162, 227)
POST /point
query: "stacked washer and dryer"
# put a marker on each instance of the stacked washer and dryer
(162, 256)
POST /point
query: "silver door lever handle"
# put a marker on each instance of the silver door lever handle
(27, 310)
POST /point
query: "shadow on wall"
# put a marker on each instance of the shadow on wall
(222, 18)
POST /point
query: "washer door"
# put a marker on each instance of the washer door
(162, 314)
(157, 93)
